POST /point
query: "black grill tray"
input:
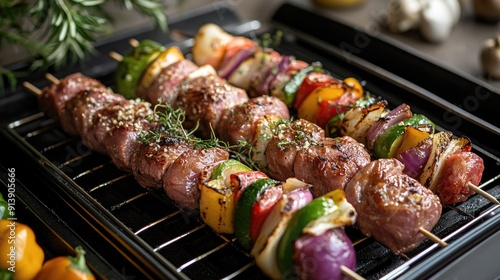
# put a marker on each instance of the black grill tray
(118, 211)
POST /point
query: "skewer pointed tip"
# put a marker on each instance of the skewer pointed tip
(116, 56)
(33, 89)
(179, 35)
(483, 193)
(51, 78)
(133, 42)
(350, 274)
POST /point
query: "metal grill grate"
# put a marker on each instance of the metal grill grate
(178, 236)
(186, 246)
(186, 243)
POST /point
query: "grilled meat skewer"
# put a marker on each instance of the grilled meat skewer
(392, 206)
(183, 191)
(263, 71)
(181, 176)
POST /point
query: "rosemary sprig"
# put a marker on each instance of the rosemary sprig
(61, 33)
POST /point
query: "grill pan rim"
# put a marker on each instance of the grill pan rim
(54, 170)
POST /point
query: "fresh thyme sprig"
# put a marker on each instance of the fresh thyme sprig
(61, 33)
(170, 124)
(268, 40)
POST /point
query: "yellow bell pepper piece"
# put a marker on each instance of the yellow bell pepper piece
(19, 251)
(217, 205)
(352, 84)
(308, 110)
(411, 137)
(217, 197)
(166, 58)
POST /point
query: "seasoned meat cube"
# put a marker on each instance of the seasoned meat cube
(94, 138)
(165, 87)
(152, 159)
(80, 110)
(287, 140)
(330, 165)
(391, 205)
(118, 127)
(239, 122)
(241, 180)
(204, 99)
(459, 169)
(181, 180)
(53, 98)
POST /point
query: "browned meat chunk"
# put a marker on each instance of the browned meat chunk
(204, 99)
(239, 122)
(241, 180)
(330, 165)
(164, 89)
(54, 97)
(118, 127)
(288, 139)
(459, 169)
(181, 180)
(392, 206)
(80, 110)
(152, 159)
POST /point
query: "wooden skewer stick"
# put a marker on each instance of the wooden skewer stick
(133, 42)
(51, 78)
(432, 237)
(180, 35)
(33, 89)
(351, 274)
(484, 194)
(116, 56)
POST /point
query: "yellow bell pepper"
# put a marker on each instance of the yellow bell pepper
(352, 84)
(66, 268)
(310, 106)
(19, 251)
(217, 197)
(166, 58)
(217, 205)
(411, 137)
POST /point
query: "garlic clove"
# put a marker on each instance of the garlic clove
(490, 58)
(404, 15)
(487, 10)
(437, 21)
(455, 9)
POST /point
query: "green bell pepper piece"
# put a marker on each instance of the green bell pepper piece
(133, 65)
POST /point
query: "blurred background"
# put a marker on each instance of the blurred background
(459, 48)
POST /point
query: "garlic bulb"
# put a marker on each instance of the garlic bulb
(437, 20)
(434, 19)
(404, 15)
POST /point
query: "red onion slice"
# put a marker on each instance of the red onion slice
(298, 198)
(322, 256)
(273, 72)
(415, 158)
(400, 113)
(228, 66)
